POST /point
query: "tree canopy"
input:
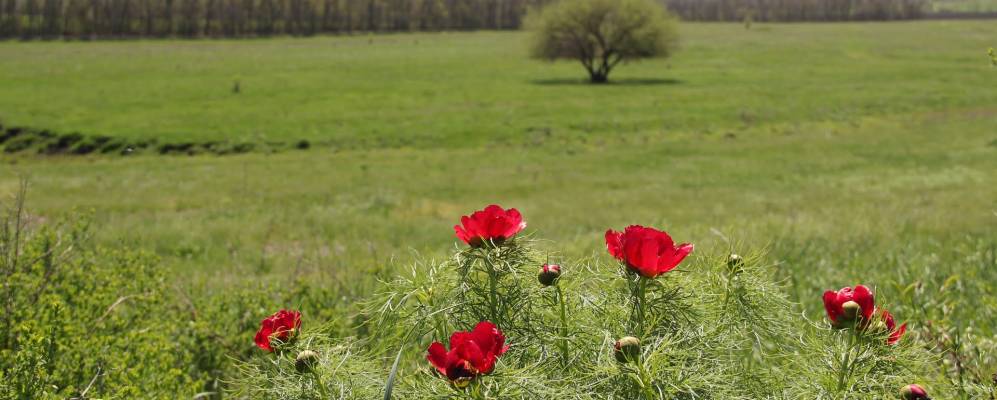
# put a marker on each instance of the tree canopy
(602, 33)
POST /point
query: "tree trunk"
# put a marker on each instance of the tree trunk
(598, 77)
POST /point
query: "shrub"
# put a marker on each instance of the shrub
(83, 321)
(20, 143)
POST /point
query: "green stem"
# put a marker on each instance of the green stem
(640, 302)
(645, 381)
(476, 392)
(493, 291)
(844, 368)
(321, 385)
(958, 363)
(563, 341)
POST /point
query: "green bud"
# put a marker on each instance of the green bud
(850, 311)
(549, 274)
(735, 264)
(627, 349)
(462, 382)
(913, 392)
(305, 361)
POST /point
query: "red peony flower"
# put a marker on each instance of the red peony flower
(491, 224)
(891, 326)
(282, 326)
(839, 314)
(646, 251)
(471, 353)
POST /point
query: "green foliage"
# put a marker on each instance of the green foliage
(888, 185)
(709, 330)
(83, 321)
(342, 371)
(963, 7)
(940, 286)
(602, 33)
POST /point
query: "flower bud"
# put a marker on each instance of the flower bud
(627, 349)
(735, 263)
(305, 361)
(850, 311)
(876, 327)
(913, 392)
(549, 274)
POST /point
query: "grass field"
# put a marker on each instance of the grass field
(468, 89)
(853, 151)
(782, 128)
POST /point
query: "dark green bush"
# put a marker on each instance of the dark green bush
(19, 143)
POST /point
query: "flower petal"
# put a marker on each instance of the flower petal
(832, 306)
(897, 334)
(614, 244)
(461, 234)
(437, 356)
(474, 355)
(262, 339)
(674, 257)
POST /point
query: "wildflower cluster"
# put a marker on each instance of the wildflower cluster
(656, 326)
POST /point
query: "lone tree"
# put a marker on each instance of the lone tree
(602, 33)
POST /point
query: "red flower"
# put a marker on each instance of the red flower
(491, 224)
(891, 326)
(646, 251)
(471, 353)
(834, 302)
(282, 326)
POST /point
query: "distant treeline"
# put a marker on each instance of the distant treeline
(234, 18)
(797, 10)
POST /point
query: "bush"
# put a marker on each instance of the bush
(83, 321)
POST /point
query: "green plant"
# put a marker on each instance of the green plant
(83, 321)
(718, 327)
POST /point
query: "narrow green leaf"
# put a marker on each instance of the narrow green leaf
(391, 376)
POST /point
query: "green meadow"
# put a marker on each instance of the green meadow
(470, 89)
(843, 152)
(830, 130)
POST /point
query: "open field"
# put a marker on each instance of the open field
(850, 152)
(459, 90)
(926, 174)
(788, 125)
